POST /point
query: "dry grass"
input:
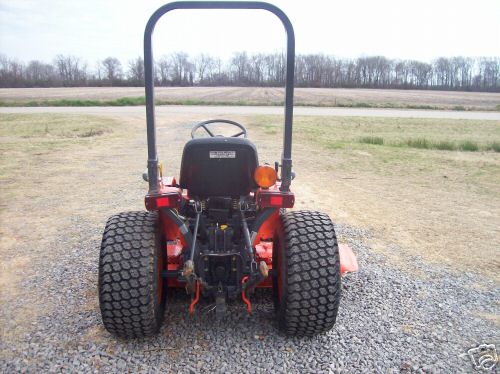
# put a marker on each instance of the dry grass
(38, 169)
(268, 95)
(27, 140)
(441, 205)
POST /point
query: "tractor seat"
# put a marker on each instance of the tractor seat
(218, 166)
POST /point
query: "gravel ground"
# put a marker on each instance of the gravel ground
(389, 322)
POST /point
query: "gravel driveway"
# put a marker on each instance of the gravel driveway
(421, 319)
(389, 321)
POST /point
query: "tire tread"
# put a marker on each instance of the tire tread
(312, 282)
(127, 275)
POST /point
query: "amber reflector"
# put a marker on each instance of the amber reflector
(265, 176)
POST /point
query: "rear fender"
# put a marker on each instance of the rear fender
(177, 237)
(263, 243)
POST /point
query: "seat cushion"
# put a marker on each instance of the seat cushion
(218, 166)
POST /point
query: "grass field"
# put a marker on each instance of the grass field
(323, 97)
(443, 205)
(440, 204)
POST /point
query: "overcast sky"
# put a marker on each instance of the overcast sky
(96, 29)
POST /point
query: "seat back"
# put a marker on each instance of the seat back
(218, 166)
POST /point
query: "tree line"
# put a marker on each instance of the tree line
(243, 69)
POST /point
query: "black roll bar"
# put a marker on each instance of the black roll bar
(286, 158)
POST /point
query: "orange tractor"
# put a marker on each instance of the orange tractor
(222, 229)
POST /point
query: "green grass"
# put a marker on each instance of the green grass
(335, 145)
(444, 145)
(140, 100)
(411, 133)
(63, 102)
(468, 146)
(422, 106)
(129, 101)
(124, 101)
(419, 196)
(418, 143)
(377, 140)
(362, 105)
(430, 149)
(495, 146)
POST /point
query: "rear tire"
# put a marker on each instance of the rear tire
(131, 290)
(307, 284)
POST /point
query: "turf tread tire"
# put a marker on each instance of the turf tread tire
(310, 280)
(128, 275)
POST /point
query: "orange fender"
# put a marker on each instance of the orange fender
(348, 261)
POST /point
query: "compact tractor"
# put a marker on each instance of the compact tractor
(222, 229)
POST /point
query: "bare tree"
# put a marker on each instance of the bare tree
(182, 69)
(112, 69)
(203, 64)
(11, 72)
(311, 70)
(421, 73)
(162, 69)
(136, 71)
(71, 70)
(240, 68)
(465, 66)
(40, 74)
(489, 69)
(256, 69)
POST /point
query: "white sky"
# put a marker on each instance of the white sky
(96, 29)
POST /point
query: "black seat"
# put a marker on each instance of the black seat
(218, 166)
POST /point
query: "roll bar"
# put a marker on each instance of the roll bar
(286, 158)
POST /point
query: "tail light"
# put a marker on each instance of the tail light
(166, 198)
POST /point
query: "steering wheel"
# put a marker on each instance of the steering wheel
(205, 123)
